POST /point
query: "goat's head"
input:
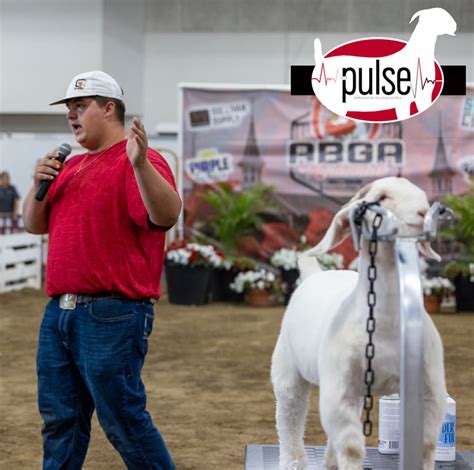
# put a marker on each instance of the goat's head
(436, 21)
(406, 201)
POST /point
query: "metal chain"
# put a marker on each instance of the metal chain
(369, 375)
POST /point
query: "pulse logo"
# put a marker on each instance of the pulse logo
(382, 79)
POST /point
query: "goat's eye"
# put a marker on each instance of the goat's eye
(382, 198)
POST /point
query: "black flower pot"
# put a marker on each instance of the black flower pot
(289, 277)
(464, 293)
(221, 291)
(188, 286)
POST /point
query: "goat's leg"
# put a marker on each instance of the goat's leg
(434, 412)
(340, 417)
(435, 394)
(330, 457)
(292, 394)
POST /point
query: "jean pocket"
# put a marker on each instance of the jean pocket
(148, 326)
(111, 310)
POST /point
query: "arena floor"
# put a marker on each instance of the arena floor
(207, 376)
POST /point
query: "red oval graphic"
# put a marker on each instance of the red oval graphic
(381, 49)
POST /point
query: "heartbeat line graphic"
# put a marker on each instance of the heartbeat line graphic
(419, 80)
(423, 82)
(326, 78)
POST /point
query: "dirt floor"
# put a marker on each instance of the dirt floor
(207, 376)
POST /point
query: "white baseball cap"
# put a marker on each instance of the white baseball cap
(96, 83)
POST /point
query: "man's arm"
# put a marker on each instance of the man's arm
(36, 213)
(161, 201)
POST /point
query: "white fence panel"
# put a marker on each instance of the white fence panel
(20, 261)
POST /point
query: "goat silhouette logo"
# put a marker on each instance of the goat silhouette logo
(383, 79)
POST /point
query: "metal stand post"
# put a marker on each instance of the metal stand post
(411, 354)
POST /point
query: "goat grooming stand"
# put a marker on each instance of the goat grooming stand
(266, 457)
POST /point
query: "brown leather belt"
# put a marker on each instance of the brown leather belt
(69, 301)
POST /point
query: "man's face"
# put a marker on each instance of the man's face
(4, 181)
(86, 120)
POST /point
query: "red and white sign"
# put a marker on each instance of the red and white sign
(381, 79)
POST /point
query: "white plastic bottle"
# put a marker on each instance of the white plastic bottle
(389, 429)
(446, 446)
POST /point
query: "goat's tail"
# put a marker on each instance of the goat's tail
(307, 264)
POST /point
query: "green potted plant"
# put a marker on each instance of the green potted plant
(461, 233)
(234, 215)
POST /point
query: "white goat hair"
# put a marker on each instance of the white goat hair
(323, 338)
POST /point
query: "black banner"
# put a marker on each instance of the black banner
(454, 80)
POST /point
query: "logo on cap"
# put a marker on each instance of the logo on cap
(80, 84)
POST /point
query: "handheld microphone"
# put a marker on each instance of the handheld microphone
(63, 151)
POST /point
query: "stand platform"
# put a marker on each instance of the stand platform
(265, 457)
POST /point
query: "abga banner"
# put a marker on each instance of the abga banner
(314, 159)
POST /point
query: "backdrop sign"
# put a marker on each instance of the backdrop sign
(301, 148)
(314, 159)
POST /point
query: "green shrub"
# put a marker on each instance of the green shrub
(236, 213)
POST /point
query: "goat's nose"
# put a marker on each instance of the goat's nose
(422, 212)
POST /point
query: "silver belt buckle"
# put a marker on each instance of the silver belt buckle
(68, 301)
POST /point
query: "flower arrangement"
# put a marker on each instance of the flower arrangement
(262, 280)
(331, 261)
(438, 286)
(287, 258)
(182, 253)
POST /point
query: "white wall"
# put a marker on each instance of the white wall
(44, 43)
(123, 49)
(209, 58)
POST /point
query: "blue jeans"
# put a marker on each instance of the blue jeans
(91, 358)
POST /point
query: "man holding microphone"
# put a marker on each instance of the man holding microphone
(106, 213)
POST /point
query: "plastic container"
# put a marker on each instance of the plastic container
(389, 429)
(389, 424)
(446, 446)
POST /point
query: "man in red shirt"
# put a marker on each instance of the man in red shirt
(106, 213)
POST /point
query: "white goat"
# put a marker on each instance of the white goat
(323, 337)
(418, 56)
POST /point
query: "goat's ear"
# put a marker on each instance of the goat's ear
(339, 229)
(335, 234)
(416, 15)
(360, 194)
(425, 249)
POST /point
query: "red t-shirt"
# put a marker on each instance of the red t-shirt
(100, 236)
